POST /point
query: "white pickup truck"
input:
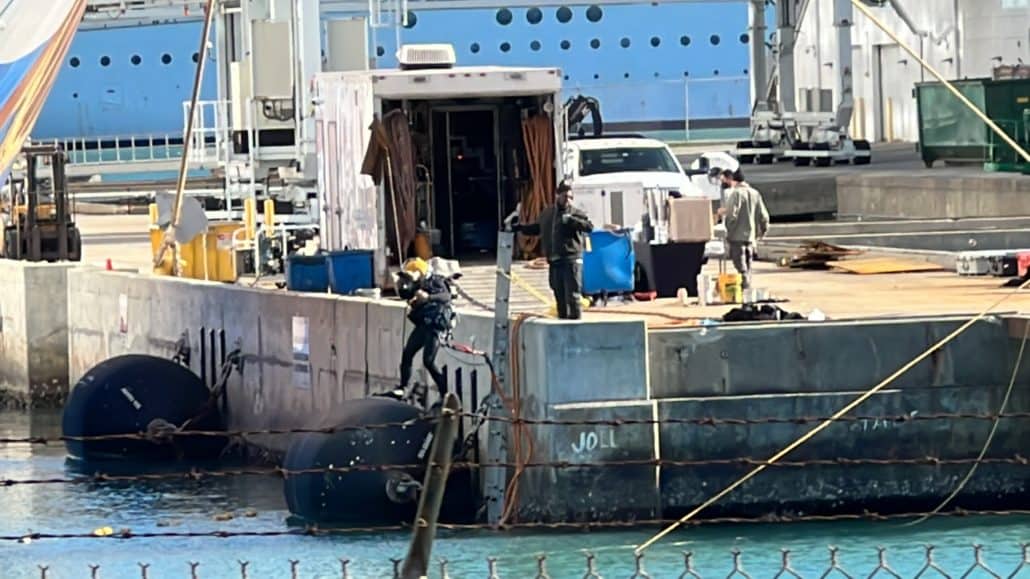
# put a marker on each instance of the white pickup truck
(592, 162)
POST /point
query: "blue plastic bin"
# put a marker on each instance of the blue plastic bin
(608, 266)
(350, 270)
(307, 273)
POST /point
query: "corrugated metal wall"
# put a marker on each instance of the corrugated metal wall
(964, 39)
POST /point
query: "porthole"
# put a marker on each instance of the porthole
(594, 13)
(505, 47)
(504, 17)
(412, 20)
(715, 72)
(656, 75)
(566, 77)
(596, 76)
(625, 42)
(745, 71)
(715, 40)
(595, 44)
(685, 40)
(655, 41)
(564, 14)
(745, 38)
(565, 45)
(686, 73)
(75, 95)
(74, 62)
(166, 58)
(105, 61)
(136, 60)
(534, 15)
(625, 75)
(474, 49)
(380, 51)
(534, 46)
(196, 57)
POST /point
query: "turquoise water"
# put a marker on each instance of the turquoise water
(192, 505)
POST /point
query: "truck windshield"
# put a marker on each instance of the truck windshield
(626, 159)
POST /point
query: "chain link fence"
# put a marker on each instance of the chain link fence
(1011, 562)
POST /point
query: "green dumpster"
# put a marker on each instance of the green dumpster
(950, 132)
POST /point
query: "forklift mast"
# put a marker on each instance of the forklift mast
(40, 231)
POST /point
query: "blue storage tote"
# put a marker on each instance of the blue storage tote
(609, 265)
(307, 273)
(350, 270)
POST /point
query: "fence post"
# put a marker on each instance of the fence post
(416, 564)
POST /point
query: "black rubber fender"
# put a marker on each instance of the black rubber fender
(362, 496)
(125, 395)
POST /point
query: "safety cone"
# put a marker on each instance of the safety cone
(109, 268)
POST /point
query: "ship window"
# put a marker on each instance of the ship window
(595, 44)
(745, 71)
(505, 47)
(685, 40)
(166, 58)
(534, 15)
(715, 40)
(624, 42)
(594, 13)
(656, 75)
(716, 72)
(535, 45)
(105, 61)
(564, 14)
(380, 51)
(744, 38)
(625, 75)
(565, 44)
(412, 20)
(136, 60)
(686, 73)
(655, 41)
(75, 95)
(474, 48)
(196, 57)
(566, 77)
(504, 17)
(74, 62)
(596, 76)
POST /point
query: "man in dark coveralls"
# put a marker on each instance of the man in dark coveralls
(561, 228)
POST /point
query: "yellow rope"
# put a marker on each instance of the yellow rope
(822, 426)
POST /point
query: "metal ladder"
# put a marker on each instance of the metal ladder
(496, 477)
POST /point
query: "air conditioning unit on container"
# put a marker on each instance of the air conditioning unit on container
(423, 56)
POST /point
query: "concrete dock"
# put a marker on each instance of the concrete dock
(687, 401)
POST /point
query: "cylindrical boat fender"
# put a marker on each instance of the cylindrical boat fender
(138, 393)
(378, 496)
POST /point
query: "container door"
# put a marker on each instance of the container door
(349, 199)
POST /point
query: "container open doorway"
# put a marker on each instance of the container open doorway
(469, 196)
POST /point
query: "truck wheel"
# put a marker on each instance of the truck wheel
(863, 146)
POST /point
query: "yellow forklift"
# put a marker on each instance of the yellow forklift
(38, 224)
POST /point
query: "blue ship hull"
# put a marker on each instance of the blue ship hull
(651, 66)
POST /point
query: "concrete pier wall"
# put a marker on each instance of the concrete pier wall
(900, 196)
(352, 348)
(773, 383)
(33, 334)
(306, 355)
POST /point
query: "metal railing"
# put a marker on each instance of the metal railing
(1011, 562)
(118, 149)
(211, 142)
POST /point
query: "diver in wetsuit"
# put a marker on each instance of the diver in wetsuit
(429, 297)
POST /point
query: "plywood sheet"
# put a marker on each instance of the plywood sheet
(876, 265)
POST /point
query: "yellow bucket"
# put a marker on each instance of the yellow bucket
(730, 288)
